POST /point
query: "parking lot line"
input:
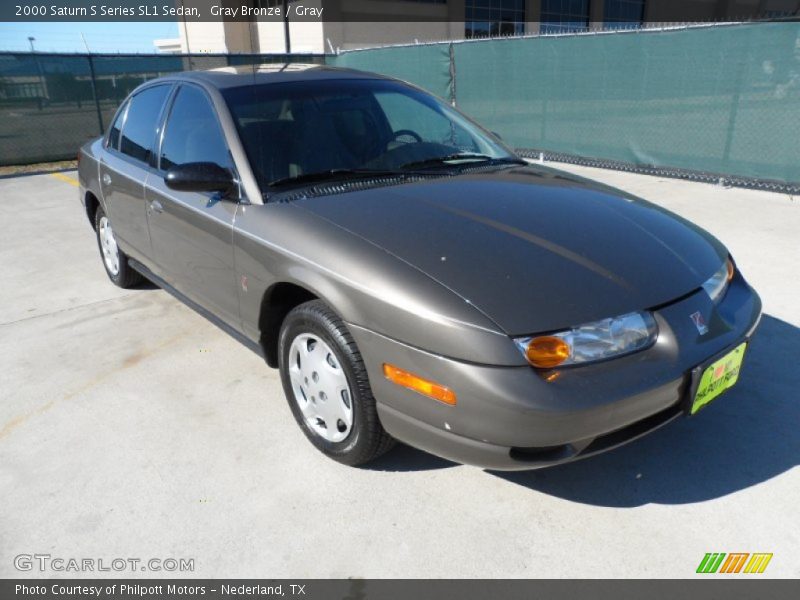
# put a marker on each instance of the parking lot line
(65, 178)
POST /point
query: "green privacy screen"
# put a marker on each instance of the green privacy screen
(719, 99)
(50, 104)
(427, 66)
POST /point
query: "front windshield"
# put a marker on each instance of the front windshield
(293, 131)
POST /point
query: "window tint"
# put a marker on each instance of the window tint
(297, 128)
(113, 133)
(192, 133)
(140, 126)
(406, 113)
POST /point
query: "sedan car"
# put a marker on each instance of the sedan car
(409, 275)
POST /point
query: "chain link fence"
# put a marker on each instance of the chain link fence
(711, 102)
(50, 104)
(714, 102)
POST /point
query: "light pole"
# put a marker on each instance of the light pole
(31, 39)
(286, 38)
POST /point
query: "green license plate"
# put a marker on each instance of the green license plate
(718, 377)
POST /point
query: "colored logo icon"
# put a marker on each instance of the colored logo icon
(734, 562)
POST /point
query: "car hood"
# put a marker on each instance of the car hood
(534, 249)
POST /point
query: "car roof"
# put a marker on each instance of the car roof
(236, 76)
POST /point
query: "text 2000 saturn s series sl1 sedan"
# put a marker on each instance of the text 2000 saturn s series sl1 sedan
(411, 277)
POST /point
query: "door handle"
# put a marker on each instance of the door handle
(106, 179)
(155, 206)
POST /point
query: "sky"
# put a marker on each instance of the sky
(101, 37)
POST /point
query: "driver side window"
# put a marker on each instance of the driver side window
(193, 133)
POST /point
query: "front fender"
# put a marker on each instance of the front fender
(367, 286)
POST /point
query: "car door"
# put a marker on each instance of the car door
(192, 232)
(125, 164)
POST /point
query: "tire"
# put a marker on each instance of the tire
(314, 340)
(115, 261)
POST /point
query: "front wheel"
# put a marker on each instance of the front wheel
(326, 384)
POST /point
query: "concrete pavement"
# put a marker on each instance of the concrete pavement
(130, 427)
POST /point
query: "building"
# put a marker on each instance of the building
(364, 23)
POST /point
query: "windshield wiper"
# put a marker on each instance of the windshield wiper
(330, 174)
(465, 156)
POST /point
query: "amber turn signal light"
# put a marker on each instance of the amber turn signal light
(547, 351)
(730, 269)
(419, 384)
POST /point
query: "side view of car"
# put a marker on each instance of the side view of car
(408, 274)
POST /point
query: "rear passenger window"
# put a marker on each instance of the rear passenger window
(192, 132)
(139, 130)
(116, 127)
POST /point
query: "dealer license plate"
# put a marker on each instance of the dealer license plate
(717, 377)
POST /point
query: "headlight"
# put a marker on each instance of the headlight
(591, 342)
(717, 284)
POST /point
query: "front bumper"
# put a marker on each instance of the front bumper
(518, 418)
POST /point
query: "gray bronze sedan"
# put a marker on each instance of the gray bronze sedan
(411, 277)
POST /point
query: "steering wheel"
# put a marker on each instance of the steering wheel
(401, 132)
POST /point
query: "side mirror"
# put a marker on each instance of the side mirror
(200, 177)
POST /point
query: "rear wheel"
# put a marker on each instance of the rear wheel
(115, 260)
(326, 384)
